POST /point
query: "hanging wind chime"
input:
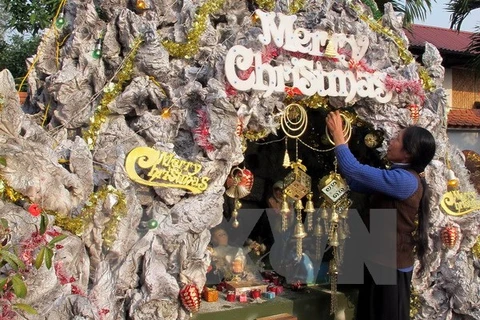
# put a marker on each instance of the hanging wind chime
(334, 192)
(297, 184)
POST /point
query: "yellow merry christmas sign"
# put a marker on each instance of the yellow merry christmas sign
(156, 168)
(456, 203)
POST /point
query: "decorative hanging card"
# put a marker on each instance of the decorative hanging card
(456, 203)
(156, 168)
(332, 187)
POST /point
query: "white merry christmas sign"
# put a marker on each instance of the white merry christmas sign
(306, 75)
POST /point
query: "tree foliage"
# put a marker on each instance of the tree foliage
(30, 16)
(15, 53)
(460, 10)
(412, 9)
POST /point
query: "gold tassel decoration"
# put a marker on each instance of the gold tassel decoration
(299, 232)
(333, 273)
(285, 211)
(309, 209)
(318, 233)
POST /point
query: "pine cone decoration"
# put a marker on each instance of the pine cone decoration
(190, 297)
(449, 236)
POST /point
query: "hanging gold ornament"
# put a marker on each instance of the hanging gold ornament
(239, 184)
(299, 232)
(141, 5)
(309, 210)
(237, 206)
(297, 183)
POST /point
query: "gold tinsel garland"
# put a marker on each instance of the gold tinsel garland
(267, 5)
(111, 91)
(295, 6)
(403, 51)
(414, 303)
(77, 225)
(188, 49)
(476, 248)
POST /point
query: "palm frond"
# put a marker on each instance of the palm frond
(413, 9)
(460, 9)
(474, 48)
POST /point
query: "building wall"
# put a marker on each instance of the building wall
(447, 85)
(465, 88)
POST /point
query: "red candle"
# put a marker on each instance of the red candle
(231, 296)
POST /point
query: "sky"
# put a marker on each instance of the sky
(441, 18)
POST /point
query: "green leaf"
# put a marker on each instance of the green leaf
(25, 307)
(4, 223)
(3, 161)
(3, 281)
(48, 257)
(19, 287)
(43, 223)
(57, 239)
(39, 258)
(8, 255)
(7, 259)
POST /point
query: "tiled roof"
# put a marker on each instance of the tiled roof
(442, 38)
(464, 118)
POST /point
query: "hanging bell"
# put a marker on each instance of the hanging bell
(299, 232)
(334, 217)
(330, 50)
(286, 160)
(334, 238)
(324, 214)
(309, 204)
(285, 207)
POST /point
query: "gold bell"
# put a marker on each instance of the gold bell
(334, 239)
(324, 214)
(330, 50)
(334, 217)
(299, 232)
(309, 204)
(285, 207)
